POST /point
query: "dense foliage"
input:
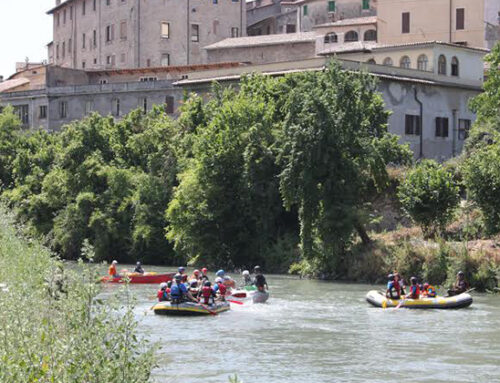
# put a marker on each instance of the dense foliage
(53, 327)
(244, 176)
(429, 195)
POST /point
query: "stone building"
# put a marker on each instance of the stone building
(104, 34)
(474, 23)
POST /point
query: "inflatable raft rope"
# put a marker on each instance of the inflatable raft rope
(190, 308)
(378, 299)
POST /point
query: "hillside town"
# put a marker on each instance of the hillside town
(114, 56)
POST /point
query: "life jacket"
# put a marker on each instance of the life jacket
(394, 290)
(431, 292)
(206, 293)
(229, 282)
(222, 289)
(414, 291)
(176, 293)
(162, 295)
(112, 270)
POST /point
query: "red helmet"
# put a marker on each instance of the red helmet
(204, 270)
(196, 272)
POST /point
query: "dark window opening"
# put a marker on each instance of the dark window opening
(406, 22)
(412, 125)
(441, 127)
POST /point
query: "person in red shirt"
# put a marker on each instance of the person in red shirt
(112, 270)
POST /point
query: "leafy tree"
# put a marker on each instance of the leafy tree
(429, 195)
(10, 126)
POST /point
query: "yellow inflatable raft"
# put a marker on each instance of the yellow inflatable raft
(378, 299)
(190, 308)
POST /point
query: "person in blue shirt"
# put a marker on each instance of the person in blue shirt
(179, 293)
(393, 288)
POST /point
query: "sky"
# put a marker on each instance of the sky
(25, 30)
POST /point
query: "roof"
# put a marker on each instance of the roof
(57, 7)
(361, 46)
(20, 72)
(263, 40)
(347, 22)
(11, 84)
(164, 69)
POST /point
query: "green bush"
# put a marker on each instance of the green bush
(408, 260)
(54, 327)
(429, 196)
(435, 265)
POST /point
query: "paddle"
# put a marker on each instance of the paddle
(237, 302)
(208, 309)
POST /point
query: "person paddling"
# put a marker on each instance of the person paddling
(112, 270)
(207, 294)
(259, 279)
(163, 292)
(247, 280)
(179, 292)
(414, 291)
(220, 288)
(461, 285)
(138, 268)
(393, 288)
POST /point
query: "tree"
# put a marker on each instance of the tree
(429, 195)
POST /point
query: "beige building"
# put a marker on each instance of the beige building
(468, 22)
(100, 34)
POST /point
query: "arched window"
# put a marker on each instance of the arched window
(370, 35)
(371, 61)
(442, 65)
(454, 66)
(422, 62)
(405, 62)
(351, 36)
(388, 61)
(331, 38)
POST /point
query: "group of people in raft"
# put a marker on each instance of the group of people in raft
(396, 287)
(198, 288)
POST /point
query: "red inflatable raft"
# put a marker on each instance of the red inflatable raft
(140, 278)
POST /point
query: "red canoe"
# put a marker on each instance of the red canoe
(140, 278)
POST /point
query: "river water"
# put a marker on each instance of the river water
(314, 331)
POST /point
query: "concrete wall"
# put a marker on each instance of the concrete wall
(430, 21)
(263, 54)
(492, 22)
(142, 44)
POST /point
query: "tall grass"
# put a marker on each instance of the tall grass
(53, 327)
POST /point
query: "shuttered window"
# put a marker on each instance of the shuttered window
(460, 19)
(406, 22)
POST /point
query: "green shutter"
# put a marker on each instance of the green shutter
(366, 4)
(331, 6)
(305, 10)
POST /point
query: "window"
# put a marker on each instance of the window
(351, 36)
(441, 127)
(71, 12)
(103, 81)
(366, 4)
(331, 38)
(95, 61)
(195, 33)
(331, 6)
(110, 31)
(64, 49)
(454, 66)
(115, 107)
(110, 60)
(148, 79)
(169, 104)
(58, 19)
(123, 30)
(412, 125)
(63, 109)
(442, 65)
(148, 63)
(108, 2)
(94, 5)
(463, 129)
(70, 46)
(405, 62)
(215, 1)
(42, 112)
(235, 32)
(64, 16)
(94, 38)
(165, 59)
(165, 30)
(84, 64)
(84, 3)
(22, 112)
(460, 16)
(388, 61)
(83, 40)
(145, 105)
(371, 61)
(215, 26)
(370, 35)
(57, 51)
(422, 62)
(290, 28)
(305, 10)
(405, 22)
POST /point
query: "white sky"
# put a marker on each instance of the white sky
(25, 30)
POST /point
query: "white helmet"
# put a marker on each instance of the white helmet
(218, 280)
(114, 262)
(227, 278)
(245, 273)
(163, 285)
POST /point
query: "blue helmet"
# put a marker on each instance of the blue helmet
(181, 269)
(220, 273)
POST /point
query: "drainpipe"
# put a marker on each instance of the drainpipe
(453, 132)
(421, 149)
(451, 16)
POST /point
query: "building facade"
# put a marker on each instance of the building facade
(473, 23)
(105, 34)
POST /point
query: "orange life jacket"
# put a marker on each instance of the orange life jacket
(112, 270)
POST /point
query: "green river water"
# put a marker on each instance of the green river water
(314, 331)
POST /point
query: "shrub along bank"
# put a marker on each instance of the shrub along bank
(52, 326)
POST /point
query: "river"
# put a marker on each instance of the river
(314, 331)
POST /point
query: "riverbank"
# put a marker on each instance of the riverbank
(53, 329)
